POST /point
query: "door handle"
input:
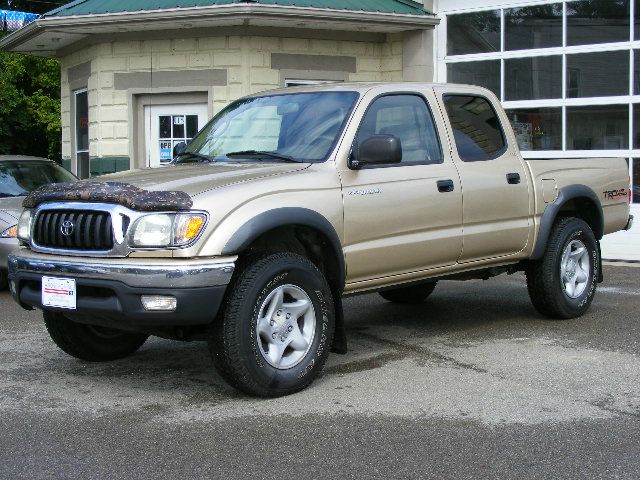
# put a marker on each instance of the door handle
(445, 186)
(513, 178)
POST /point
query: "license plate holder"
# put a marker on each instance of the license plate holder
(59, 292)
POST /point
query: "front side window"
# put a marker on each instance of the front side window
(300, 127)
(476, 128)
(408, 118)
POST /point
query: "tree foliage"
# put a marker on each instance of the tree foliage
(30, 106)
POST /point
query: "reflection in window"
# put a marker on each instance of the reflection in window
(598, 127)
(537, 128)
(408, 118)
(533, 78)
(598, 74)
(484, 74)
(476, 128)
(597, 21)
(477, 32)
(533, 27)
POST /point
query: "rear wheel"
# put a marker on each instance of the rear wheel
(562, 283)
(89, 342)
(276, 328)
(413, 294)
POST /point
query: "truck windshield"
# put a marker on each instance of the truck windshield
(18, 178)
(301, 127)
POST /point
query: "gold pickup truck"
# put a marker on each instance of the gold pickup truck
(289, 200)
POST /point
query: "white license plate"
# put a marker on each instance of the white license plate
(59, 292)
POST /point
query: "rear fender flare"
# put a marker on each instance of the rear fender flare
(552, 210)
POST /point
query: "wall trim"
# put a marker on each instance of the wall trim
(165, 79)
(296, 61)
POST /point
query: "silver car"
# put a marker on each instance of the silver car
(19, 175)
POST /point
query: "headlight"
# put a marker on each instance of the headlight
(167, 230)
(24, 226)
(10, 232)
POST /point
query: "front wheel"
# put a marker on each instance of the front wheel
(89, 342)
(562, 284)
(276, 327)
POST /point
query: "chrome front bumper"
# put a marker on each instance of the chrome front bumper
(134, 272)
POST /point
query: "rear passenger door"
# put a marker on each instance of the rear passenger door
(401, 218)
(495, 185)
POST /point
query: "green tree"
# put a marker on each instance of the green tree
(30, 96)
(30, 106)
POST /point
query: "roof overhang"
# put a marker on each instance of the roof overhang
(49, 35)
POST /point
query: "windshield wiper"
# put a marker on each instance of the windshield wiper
(201, 156)
(264, 153)
(8, 195)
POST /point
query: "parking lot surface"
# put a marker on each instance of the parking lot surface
(472, 384)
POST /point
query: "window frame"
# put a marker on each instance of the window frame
(400, 164)
(505, 140)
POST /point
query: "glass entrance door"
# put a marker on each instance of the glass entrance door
(168, 125)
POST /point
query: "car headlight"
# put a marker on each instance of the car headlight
(10, 232)
(167, 230)
(24, 226)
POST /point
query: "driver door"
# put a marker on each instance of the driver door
(403, 217)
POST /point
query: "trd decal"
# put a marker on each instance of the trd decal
(613, 194)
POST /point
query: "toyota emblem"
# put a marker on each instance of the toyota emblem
(67, 228)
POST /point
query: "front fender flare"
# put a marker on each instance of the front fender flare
(281, 217)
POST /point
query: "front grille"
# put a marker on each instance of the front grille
(91, 231)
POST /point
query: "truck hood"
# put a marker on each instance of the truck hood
(198, 178)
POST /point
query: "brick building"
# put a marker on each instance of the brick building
(139, 77)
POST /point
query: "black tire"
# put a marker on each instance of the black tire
(233, 339)
(544, 282)
(413, 294)
(91, 343)
(3, 280)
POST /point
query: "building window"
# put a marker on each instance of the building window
(533, 27)
(537, 128)
(599, 74)
(473, 33)
(598, 127)
(597, 21)
(635, 180)
(484, 74)
(476, 128)
(533, 78)
(81, 126)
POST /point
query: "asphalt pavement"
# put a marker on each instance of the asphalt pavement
(472, 384)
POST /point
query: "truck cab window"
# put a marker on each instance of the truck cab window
(408, 118)
(476, 128)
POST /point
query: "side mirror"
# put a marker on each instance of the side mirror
(377, 150)
(179, 148)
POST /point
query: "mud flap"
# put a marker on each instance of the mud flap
(600, 274)
(340, 337)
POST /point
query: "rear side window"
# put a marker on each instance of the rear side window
(407, 117)
(476, 128)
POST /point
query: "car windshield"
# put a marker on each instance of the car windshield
(18, 177)
(297, 127)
